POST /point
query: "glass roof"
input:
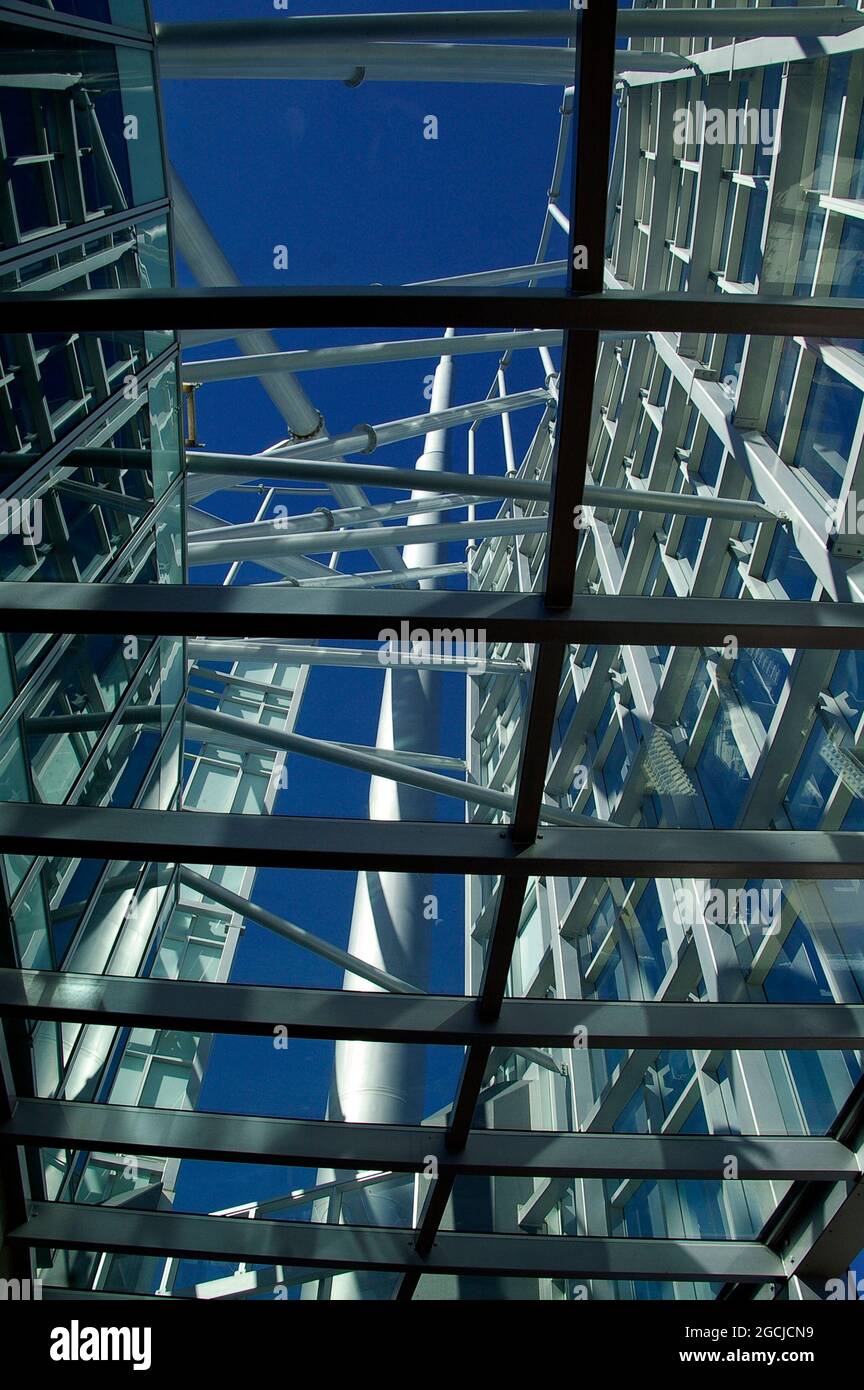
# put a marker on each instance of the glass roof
(462, 843)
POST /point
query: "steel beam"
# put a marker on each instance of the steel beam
(408, 1149)
(635, 499)
(724, 21)
(242, 649)
(376, 762)
(366, 474)
(275, 612)
(452, 1021)
(365, 579)
(227, 550)
(511, 275)
(69, 1226)
(361, 354)
(786, 21)
(601, 851)
(267, 49)
(365, 306)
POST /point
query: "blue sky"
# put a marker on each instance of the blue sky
(344, 178)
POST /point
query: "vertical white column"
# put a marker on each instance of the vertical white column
(384, 1082)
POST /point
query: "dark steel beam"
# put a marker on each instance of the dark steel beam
(367, 474)
(595, 81)
(409, 1149)
(590, 150)
(196, 610)
(68, 1226)
(295, 31)
(475, 1064)
(293, 842)
(499, 951)
(401, 306)
(258, 1010)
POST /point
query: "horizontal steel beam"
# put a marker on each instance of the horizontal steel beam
(365, 306)
(631, 499)
(601, 851)
(365, 438)
(243, 650)
(366, 474)
(479, 485)
(68, 1226)
(739, 56)
(408, 1149)
(511, 275)
(808, 20)
(360, 354)
(196, 610)
(725, 21)
(266, 49)
(258, 1010)
(334, 60)
(226, 549)
(364, 579)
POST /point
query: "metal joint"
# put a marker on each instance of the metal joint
(370, 435)
(313, 433)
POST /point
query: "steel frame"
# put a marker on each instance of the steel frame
(521, 851)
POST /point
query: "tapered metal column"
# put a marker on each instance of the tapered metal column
(375, 1081)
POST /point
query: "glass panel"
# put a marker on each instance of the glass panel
(70, 523)
(128, 14)
(759, 438)
(705, 760)
(132, 256)
(95, 114)
(744, 175)
(74, 374)
(89, 728)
